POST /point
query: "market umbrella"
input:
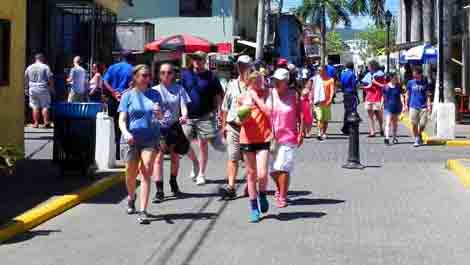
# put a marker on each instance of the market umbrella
(181, 43)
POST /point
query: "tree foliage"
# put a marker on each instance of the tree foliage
(334, 43)
(376, 37)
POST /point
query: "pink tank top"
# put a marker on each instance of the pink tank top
(284, 117)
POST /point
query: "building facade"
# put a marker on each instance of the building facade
(215, 20)
(12, 63)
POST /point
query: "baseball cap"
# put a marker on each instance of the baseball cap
(282, 62)
(281, 74)
(245, 59)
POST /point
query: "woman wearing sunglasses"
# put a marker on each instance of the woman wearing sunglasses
(173, 140)
(139, 114)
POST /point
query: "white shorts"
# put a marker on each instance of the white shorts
(283, 158)
(375, 106)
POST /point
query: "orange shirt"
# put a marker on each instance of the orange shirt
(256, 128)
(329, 86)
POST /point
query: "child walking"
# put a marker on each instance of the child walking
(393, 105)
(306, 104)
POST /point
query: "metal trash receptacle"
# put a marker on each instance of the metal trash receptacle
(75, 136)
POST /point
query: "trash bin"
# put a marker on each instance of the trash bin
(75, 136)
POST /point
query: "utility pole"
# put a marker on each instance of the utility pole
(267, 23)
(260, 31)
(323, 50)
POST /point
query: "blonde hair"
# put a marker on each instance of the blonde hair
(135, 71)
(254, 75)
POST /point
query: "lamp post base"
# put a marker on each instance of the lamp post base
(354, 165)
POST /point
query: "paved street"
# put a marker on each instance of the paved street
(405, 208)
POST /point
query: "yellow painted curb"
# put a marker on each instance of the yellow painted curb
(460, 170)
(427, 140)
(56, 206)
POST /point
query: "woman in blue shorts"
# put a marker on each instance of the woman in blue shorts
(139, 114)
(393, 105)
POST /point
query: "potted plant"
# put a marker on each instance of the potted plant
(9, 155)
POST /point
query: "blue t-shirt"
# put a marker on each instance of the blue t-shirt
(419, 90)
(331, 71)
(392, 99)
(119, 76)
(367, 80)
(202, 89)
(348, 81)
(139, 108)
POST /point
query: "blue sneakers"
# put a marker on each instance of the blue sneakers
(255, 216)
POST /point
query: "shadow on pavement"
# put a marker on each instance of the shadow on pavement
(223, 181)
(113, 195)
(292, 193)
(289, 216)
(169, 218)
(307, 201)
(29, 235)
(32, 183)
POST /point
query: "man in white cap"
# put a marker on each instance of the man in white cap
(231, 123)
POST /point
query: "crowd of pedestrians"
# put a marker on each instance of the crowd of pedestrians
(260, 119)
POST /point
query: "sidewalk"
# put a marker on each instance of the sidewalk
(37, 181)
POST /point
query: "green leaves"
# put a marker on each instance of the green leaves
(376, 38)
(334, 43)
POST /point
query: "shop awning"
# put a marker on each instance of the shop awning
(247, 43)
(420, 54)
(114, 5)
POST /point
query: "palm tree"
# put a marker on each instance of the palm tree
(338, 11)
(319, 11)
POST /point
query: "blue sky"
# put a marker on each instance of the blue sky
(358, 22)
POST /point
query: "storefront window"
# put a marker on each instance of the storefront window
(4, 51)
(195, 8)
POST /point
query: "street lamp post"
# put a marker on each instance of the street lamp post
(388, 21)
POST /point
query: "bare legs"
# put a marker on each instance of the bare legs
(257, 172)
(37, 116)
(200, 163)
(146, 167)
(232, 172)
(372, 116)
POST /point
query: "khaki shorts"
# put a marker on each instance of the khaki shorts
(375, 106)
(202, 128)
(323, 113)
(233, 143)
(419, 117)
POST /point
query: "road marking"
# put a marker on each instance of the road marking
(427, 139)
(458, 168)
(54, 207)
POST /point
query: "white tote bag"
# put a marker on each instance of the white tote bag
(318, 90)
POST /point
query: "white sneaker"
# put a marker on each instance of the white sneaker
(200, 180)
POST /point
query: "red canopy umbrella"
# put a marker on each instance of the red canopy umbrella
(182, 43)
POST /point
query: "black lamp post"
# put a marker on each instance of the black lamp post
(388, 21)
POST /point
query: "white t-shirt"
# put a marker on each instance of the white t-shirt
(78, 75)
(173, 98)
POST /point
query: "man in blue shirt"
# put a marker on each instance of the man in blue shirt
(419, 100)
(206, 94)
(116, 80)
(348, 84)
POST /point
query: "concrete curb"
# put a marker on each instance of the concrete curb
(456, 166)
(54, 207)
(427, 139)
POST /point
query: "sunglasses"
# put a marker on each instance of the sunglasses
(145, 75)
(166, 72)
